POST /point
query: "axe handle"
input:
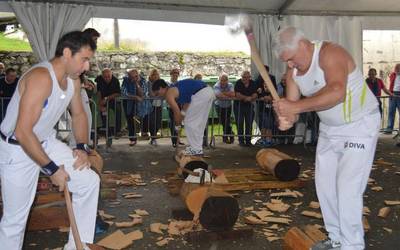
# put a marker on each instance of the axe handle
(72, 221)
(255, 56)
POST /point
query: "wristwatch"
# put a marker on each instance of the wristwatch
(49, 169)
(84, 147)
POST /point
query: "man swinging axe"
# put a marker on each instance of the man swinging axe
(196, 98)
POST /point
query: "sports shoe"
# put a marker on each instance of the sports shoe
(71, 246)
(327, 244)
(153, 142)
(191, 151)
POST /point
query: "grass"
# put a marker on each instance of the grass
(9, 44)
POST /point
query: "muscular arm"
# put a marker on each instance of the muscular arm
(34, 89)
(170, 97)
(78, 115)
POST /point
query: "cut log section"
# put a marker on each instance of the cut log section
(215, 209)
(281, 165)
(96, 162)
(298, 239)
(188, 163)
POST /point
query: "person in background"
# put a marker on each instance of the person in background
(266, 119)
(108, 91)
(156, 113)
(131, 89)
(376, 85)
(243, 108)
(8, 84)
(224, 91)
(2, 68)
(394, 100)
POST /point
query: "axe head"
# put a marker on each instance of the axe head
(238, 22)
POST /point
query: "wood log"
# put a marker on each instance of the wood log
(47, 218)
(215, 209)
(187, 163)
(281, 165)
(96, 162)
(297, 239)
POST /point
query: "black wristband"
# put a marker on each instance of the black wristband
(83, 146)
(49, 169)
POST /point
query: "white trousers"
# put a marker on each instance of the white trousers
(343, 164)
(197, 116)
(19, 178)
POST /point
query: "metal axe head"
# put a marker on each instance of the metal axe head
(239, 22)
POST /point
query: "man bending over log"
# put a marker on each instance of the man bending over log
(196, 98)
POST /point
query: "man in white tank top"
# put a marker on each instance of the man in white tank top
(28, 144)
(333, 86)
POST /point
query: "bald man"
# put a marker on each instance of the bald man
(333, 86)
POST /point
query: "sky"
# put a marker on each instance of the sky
(173, 36)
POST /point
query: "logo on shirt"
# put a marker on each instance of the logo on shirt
(354, 145)
(316, 83)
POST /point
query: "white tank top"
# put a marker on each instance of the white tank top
(54, 106)
(359, 100)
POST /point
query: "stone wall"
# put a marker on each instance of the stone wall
(188, 63)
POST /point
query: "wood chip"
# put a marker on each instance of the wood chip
(106, 216)
(366, 211)
(116, 240)
(388, 230)
(277, 220)
(133, 196)
(258, 201)
(273, 238)
(384, 212)
(63, 229)
(297, 204)
(262, 214)
(135, 235)
(312, 214)
(377, 188)
(163, 242)
(314, 204)
(278, 207)
(249, 208)
(125, 224)
(154, 163)
(392, 203)
(274, 227)
(141, 212)
(253, 221)
(366, 225)
(298, 193)
(155, 228)
(284, 194)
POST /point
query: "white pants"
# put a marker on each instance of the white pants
(343, 164)
(197, 116)
(19, 177)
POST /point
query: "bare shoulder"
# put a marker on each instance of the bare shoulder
(333, 54)
(38, 76)
(172, 92)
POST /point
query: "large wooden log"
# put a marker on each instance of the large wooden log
(215, 209)
(298, 239)
(188, 163)
(96, 162)
(281, 165)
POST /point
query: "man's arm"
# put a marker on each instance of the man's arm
(78, 115)
(170, 97)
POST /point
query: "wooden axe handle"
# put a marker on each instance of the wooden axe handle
(255, 56)
(72, 221)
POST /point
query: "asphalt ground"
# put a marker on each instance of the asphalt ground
(159, 203)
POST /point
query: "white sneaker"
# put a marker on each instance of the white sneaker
(191, 151)
(71, 246)
(327, 244)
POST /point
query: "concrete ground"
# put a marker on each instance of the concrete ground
(159, 203)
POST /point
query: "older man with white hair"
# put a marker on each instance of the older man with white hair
(333, 86)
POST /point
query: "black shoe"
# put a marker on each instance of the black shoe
(174, 145)
(248, 144)
(398, 144)
(109, 142)
(181, 143)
